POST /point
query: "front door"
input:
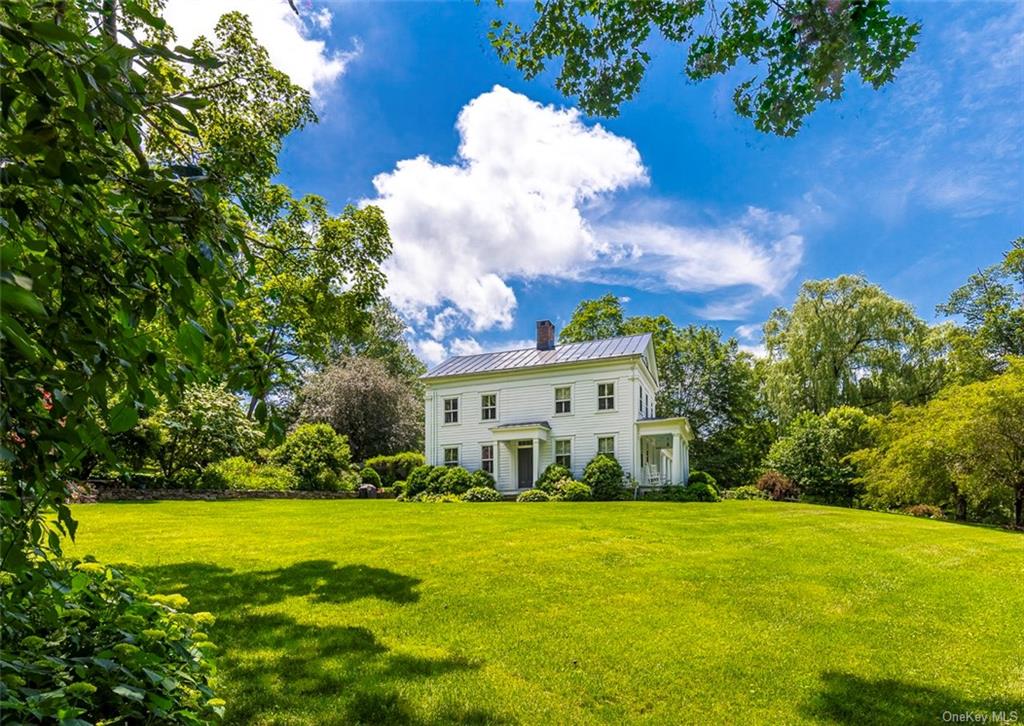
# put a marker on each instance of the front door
(524, 466)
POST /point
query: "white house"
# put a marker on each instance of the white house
(514, 412)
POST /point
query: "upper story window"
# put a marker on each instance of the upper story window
(451, 410)
(489, 407)
(606, 445)
(563, 453)
(451, 456)
(487, 458)
(563, 399)
(605, 396)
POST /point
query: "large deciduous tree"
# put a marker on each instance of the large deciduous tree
(963, 450)
(991, 304)
(799, 52)
(847, 342)
(379, 412)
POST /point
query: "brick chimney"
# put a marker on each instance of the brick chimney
(545, 335)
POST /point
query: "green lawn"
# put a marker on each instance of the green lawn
(754, 612)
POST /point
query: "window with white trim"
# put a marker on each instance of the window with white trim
(451, 410)
(563, 399)
(605, 396)
(487, 458)
(488, 406)
(563, 453)
(606, 445)
(451, 456)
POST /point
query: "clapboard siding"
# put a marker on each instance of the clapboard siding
(529, 396)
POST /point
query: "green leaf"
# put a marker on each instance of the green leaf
(131, 692)
(190, 340)
(19, 298)
(123, 417)
(144, 15)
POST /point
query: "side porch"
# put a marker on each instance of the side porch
(662, 452)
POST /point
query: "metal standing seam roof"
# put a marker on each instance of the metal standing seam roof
(507, 360)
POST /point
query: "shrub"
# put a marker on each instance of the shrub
(396, 467)
(604, 477)
(456, 480)
(777, 486)
(924, 510)
(399, 488)
(700, 493)
(553, 474)
(207, 425)
(482, 479)
(702, 477)
(84, 641)
(418, 480)
(745, 492)
(317, 455)
(435, 498)
(435, 479)
(569, 490)
(481, 494)
(534, 495)
(369, 476)
(240, 473)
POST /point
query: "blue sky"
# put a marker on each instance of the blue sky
(526, 206)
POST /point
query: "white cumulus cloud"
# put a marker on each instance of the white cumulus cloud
(510, 205)
(285, 35)
(531, 194)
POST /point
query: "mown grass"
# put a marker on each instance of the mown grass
(737, 612)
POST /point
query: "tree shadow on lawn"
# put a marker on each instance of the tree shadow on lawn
(850, 699)
(275, 668)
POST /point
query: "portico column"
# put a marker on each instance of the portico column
(677, 459)
(536, 460)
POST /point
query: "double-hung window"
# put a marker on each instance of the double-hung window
(489, 407)
(563, 399)
(605, 396)
(451, 456)
(487, 458)
(606, 445)
(451, 410)
(563, 453)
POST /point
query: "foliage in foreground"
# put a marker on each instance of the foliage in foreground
(802, 50)
(84, 641)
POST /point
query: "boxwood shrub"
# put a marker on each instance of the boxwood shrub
(456, 480)
(482, 494)
(552, 474)
(534, 495)
(744, 492)
(569, 490)
(604, 477)
(702, 477)
(370, 476)
(482, 479)
(395, 467)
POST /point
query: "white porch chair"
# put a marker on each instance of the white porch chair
(652, 475)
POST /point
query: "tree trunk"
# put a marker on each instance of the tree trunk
(961, 507)
(1018, 507)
